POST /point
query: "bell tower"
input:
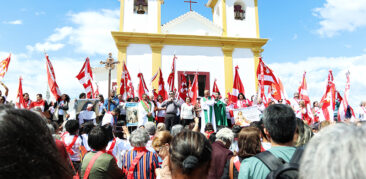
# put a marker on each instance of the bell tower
(237, 18)
(142, 16)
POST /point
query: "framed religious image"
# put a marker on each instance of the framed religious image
(244, 116)
(132, 114)
(80, 104)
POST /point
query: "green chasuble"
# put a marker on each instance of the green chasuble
(220, 113)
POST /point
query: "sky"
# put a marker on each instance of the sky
(313, 36)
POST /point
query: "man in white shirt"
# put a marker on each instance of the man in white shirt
(111, 117)
(361, 111)
(207, 113)
(73, 142)
(145, 111)
(87, 115)
(295, 102)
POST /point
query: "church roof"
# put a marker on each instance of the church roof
(186, 21)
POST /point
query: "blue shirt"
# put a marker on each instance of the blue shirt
(254, 168)
(115, 99)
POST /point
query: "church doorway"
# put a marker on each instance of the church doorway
(203, 80)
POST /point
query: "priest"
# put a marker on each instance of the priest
(207, 112)
(220, 111)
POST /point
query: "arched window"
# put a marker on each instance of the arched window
(140, 6)
(239, 10)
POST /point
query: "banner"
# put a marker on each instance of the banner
(250, 113)
(132, 114)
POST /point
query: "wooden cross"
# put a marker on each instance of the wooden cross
(190, 4)
(109, 64)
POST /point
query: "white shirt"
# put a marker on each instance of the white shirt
(108, 119)
(121, 147)
(187, 111)
(295, 104)
(122, 107)
(85, 142)
(87, 116)
(142, 113)
(60, 111)
(361, 113)
(101, 108)
(75, 148)
(161, 113)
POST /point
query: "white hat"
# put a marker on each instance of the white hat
(89, 105)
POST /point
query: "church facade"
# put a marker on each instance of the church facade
(210, 48)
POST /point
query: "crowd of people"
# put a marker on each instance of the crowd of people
(176, 139)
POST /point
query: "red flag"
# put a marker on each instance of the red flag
(20, 101)
(172, 76)
(155, 94)
(125, 83)
(142, 86)
(183, 89)
(328, 99)
(283, 91)
(39, 104)
(161, 90)
(194, 90)
(215, 88)
(96, 92)
(52, 79)
(4, 65)
(303, 94)
(266, 73)
(85, 78)
(344, 102)
(238, 86)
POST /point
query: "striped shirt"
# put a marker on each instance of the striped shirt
(145, 169)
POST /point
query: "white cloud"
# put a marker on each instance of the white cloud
(317, 71)
(15, 22)
(60, 34)
(47, 46)
(34, 74)
(340, 15)
(294, 37)
(348, 46)
(51, 43)
(92, 34)
(39, 13)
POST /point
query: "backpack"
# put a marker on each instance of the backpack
(279, 168)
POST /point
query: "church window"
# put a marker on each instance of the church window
(239, 10)
(140, 6)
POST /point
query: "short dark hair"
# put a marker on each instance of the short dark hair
(28, 149)
(72, 126)
(117, 110)
(190, 150)
(86, 127)
(108, 131)
(82, 95)
(97, 138)
(40, 95)
(118, 131)
(280, 122)
(209, 127)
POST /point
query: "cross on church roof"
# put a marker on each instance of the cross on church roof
(190, 4)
